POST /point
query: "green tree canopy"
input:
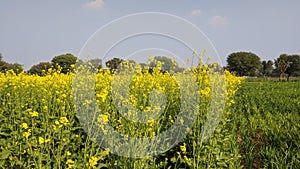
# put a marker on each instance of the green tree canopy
(2, 62)
(4, 66)
(40, 69)
(244, 63)
(65, 61)
(289, 64)
(114, 63)
(267, 67)
(16, 67)
(167, 63)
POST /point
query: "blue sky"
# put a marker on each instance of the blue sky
(33, 31)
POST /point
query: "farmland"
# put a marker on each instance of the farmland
(268, 123)
(40, 129)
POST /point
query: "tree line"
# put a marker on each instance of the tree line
(240, 63)
(4, 66)
(249, 64)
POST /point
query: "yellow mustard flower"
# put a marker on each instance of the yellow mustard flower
(27, 134)
(34, 113)
(93, 161)
(103, 118)
(185, 158)
(54, 127)
(183, 148)
(64, 121)
(45, 108)
(24, 126)
(56, 122)
(181, 121)
(42, 140)
(70, 163)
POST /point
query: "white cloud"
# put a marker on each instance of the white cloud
(219, 21)
(95, 4)
(196, 12)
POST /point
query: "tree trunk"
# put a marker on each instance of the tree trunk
(281, 76)
(288, 78)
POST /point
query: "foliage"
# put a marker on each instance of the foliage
(267, 68)
(2, 62)
(244, 63)
(289, 64)
(4, 66)
(65, 62)
(167, 64)
(40, 69)
(15, 67)
(96, 63)
(114, 63)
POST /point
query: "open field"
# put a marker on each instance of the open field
(39, 127)
(268, 123)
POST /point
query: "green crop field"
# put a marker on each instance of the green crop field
(267, 116)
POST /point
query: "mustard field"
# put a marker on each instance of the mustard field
(51, 121)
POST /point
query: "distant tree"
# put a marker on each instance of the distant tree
(114, 63)
(65, 61)
(125, 64)
(267, 68)
(167, 63)
(144, 65)
(40, 69)
(16, 67)
(2, 62)
(97, 63)
(294, 68)
(281, 66)
(4, 66)
(244, 63)
(215, 67)
(289, 64)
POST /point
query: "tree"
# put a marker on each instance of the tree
(96, 63)
(40, 69)
(289, 64)
(244, 63)
(65, 61)
(167, 63)
(114, 63)
(2, 62)
(267, 68)
(4, 66)
(16, 67)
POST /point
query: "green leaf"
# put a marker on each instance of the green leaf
(4, 134)
(5, 154)
(2, 162)
(101, 165)
(18, 162)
